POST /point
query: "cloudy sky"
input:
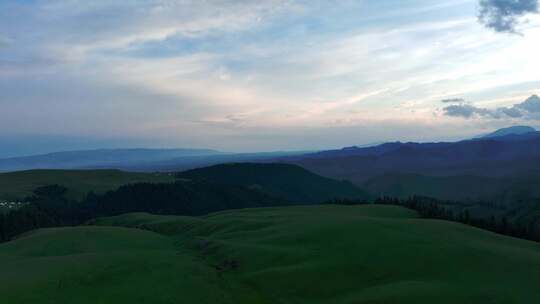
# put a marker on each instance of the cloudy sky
(263, 75)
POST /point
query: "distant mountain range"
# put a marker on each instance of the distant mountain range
(499, 172)
(109, 158)
(493, 156)
(133, 159)
(505, 151)
(497, 175)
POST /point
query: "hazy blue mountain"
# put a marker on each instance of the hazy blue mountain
(515, 130)
(492, 157)
(144, 160)
(354, 151)
(192, 162)
(98, 158)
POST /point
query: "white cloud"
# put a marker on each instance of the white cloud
(240, 67)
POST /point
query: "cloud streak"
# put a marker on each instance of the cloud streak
(504, 15)
(453, 100)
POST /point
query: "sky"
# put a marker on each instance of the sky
(263, 75)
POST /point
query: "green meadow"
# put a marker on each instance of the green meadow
(17, 185)
(315, 254)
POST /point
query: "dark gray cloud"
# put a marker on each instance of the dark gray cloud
(526, 109)
(463, 110)
(453, 100)
(511, 112)
(469, 111)
(503, 15)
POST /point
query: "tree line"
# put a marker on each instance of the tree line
(49, 206)
(436, 209)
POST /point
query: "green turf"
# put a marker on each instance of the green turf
(316, 254)
(17, 185)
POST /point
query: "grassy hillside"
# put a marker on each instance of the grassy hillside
(102, 265)
(79, 182)
(280, 180)
(317, 254)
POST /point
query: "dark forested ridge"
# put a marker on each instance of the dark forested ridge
(504, 191)
(291, 182)
(231, 187)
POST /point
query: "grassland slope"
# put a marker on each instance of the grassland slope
(308, 254)
(78, 182)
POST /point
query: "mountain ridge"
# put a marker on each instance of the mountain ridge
(514, 130)
(496, 156)
(291, 182)
(97, 157)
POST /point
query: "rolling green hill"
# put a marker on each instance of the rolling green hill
(287, 181)
(315, 254)
(17, 185)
